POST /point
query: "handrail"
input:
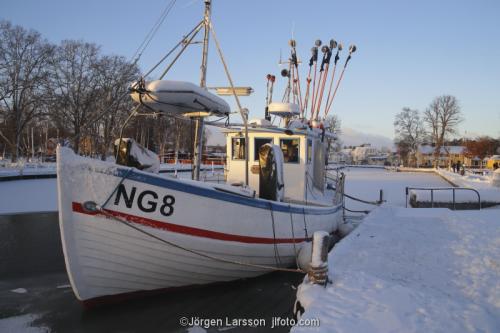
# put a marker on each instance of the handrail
(453, 189)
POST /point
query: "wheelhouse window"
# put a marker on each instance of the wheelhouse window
(259, 142)
(309, 150)
(290, 148)
(238, 148)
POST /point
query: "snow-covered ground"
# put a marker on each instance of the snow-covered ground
(366, 184)
(409, 270)
(412, 270)
(21, 168)
(28, 196)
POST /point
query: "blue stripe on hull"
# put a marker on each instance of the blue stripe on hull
(180, 186)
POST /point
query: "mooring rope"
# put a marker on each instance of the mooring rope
(293, 237)
(305, 224)
(375, 203)
(208, 256)
(276, 252)
(100, 209)
(356, 211)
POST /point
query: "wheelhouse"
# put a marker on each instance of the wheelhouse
(304, 153)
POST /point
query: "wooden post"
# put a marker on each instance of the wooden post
(318, 273)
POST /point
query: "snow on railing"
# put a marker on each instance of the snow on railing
(453, 189)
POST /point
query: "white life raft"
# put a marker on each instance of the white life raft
(179, 97)
(284, 109)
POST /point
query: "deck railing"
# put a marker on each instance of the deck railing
(453, 189)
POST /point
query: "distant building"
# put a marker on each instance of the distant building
(493, 162)
(364, 153)
(447, 156)
(344, 156)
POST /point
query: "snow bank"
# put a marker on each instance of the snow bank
(28, 196)
(20, 169)
(495, 178)
(409, 270)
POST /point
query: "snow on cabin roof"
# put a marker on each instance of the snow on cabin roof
(456, 150)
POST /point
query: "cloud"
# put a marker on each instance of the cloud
(352, 137)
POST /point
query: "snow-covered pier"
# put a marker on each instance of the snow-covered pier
(412, 270)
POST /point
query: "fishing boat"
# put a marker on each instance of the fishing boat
(128, 230)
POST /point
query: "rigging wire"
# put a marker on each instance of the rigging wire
(169, 52)
(187, 42)
(154, 29)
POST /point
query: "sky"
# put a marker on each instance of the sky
(409, 52)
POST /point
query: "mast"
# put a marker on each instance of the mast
(198, 139)
(204, 59)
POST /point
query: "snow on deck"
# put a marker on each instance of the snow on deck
(412, 270)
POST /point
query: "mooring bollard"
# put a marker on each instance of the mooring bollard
(318, 272)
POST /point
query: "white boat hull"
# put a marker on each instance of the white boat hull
(105, 257)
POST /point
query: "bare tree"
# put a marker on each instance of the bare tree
(114, 75)
(75, 87)
(333, 125)
(442, 116)
(409, 130)
(23, 62)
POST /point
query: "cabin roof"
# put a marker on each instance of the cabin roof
(315, 133)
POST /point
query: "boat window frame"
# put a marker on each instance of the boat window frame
(298, 149)
(255, 151)
(232, 148)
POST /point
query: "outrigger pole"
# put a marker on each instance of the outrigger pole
(352, 49)
(314, 58)
(325, 65)
(336, 59)
(315, 49)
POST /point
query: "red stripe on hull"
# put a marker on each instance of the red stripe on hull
(77, 207)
